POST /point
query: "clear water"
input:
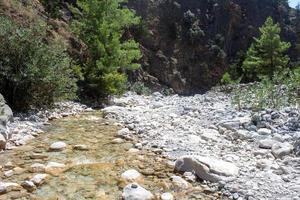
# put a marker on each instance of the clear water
(91, 174)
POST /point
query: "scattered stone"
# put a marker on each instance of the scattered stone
(264, 131)
(264, 164)
(131, 175)
(179, 183)
(167, 196)
(2, 142)
(134, 191)
(118, 141)
(9, 173)
(29, 186)
(210, 134)
(39, 179)
(37, 168)
(133, 150)
(58, 146)
(207, 168)
(266, 143)
(55, 168)
(280, 150)
(123, 132)
(189, 176)
(81, 147)
(8, 187)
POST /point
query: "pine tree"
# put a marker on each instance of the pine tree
(101, 26)
(267, 54)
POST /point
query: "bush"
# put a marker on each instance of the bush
(282, 90)
(33, 72)
(140, 88)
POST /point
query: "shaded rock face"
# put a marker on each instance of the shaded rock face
(6, 115)
(191, 42)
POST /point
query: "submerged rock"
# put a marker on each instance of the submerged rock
(39, 179)
(29, 186)
(81, 147)
(131, 175)
(37, 168)
(207, 168)
(58, 146)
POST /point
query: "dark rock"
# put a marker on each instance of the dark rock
(191, 42)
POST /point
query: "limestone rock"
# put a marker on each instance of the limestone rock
(280, 150)
(264, 131)
(39, 179)
(267, 143)
(58, 146)
(167, 196)
(207, 168)
(131, 175)
(179, 183)
(29, 186)
(37, 168)
(55, 168)
(134, 191)
(2, 142)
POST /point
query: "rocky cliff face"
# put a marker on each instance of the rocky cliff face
(6, 115)
(190, 43)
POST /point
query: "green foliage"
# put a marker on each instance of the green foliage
(33, 72)
(282, 90)
(226, 79)
(52, 7)
(140, 88)
(267, 54)
(101, 26)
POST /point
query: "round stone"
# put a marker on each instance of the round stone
(58, 146)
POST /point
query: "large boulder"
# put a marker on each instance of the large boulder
(207, 168)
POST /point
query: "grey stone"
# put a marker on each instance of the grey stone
(207, 168)
(39, 179)
(280, 150)
(266, 143)
(2, 142)
(58, 146)
(131, 175)
(37, 168)
(264, 131)
(167, 196)
(29, 186)
(134, 191)
(180, 183)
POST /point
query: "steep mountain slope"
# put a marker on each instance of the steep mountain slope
(191, 43)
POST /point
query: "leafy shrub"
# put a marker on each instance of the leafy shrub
(140, 88)
(282, 90)
(33, 71)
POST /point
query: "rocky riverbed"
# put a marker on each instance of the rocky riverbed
(82, 157)
(245, 154)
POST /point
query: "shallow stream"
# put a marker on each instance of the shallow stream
(93, 173)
